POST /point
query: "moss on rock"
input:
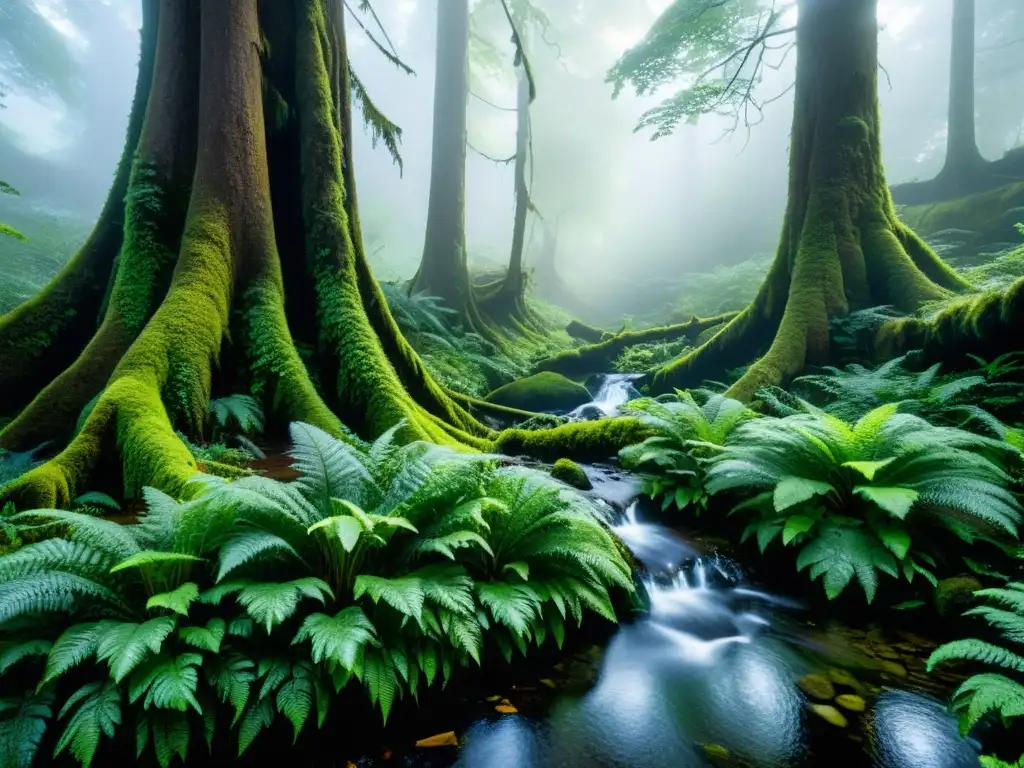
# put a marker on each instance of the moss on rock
(583, 440)
(542, 392)
(953, 596)
(572, 474)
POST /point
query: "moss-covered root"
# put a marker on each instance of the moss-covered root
(153, 220)
(40, 338)
(987, 324)
(583, 440)
(380, 381)
(595, 358)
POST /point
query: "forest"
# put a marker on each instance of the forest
(658, 402)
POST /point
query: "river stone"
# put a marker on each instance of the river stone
(816, 687)
(830, 714)
(842, 677)
(892, 668)
(851, 702)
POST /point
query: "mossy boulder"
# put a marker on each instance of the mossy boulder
(545, 391)
(571, 473)
(954, 596)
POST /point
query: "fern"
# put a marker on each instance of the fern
(23, 722)
(860, 498)
(685, 435)
(1000, 693)
(96, 709)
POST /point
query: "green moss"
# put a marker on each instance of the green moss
(582, 440)
(953, 596)
(545, 391)
(43, 336)
(985, 213)
(597, 358)
(572, 474)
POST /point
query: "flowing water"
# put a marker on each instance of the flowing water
(708, 678)
(615, 390)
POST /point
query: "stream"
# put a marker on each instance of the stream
(718, 673)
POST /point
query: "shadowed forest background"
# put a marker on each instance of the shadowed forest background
(528, 383)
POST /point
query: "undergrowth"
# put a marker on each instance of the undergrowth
(382, 567)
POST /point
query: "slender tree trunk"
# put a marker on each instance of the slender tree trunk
(963, 160)
(199, 271)
(515, 279)
(443, 269)
(964, 171)
(842, 245)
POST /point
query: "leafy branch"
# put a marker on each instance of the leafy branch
(719, 49)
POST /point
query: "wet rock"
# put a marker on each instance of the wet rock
(817, 687)
(892, 668)
(830, 714)
(851, 701)
(953, 596)
(842, 677)
(589, 413)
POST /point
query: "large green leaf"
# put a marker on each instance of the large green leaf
(796, 525)
(896, 501)
(796, 490)
(840, 553)
(177, 600)
(345, 528)
(867, 468)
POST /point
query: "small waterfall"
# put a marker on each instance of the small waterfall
(615, 391)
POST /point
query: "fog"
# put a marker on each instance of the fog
(627, 209)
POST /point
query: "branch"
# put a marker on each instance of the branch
(521, 58)
(498, 160)
(389, 55)
(491, 103)
(381, 128)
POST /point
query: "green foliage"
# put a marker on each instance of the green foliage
(706, 45)
(388, 565)
(870, 496)
(851, 393)
(988, 761)
(996, 692)
(686, 435)
(649, 356)
(463, 362)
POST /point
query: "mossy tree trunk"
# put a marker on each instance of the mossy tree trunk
(842, 246)
(204, 254)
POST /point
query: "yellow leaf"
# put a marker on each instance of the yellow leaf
(439, 740)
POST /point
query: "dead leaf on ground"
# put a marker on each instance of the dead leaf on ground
(439, 740)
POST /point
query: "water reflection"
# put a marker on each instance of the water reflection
(911, 730)
(712, 667)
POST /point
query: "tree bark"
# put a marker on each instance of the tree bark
(842, 245)
(515, 280)
(965, 171)
(199, 272)
(443, 270)
(963, 160)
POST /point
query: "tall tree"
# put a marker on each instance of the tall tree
(239, 149)
(842, 245)
(964, 170)
(444, 270)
